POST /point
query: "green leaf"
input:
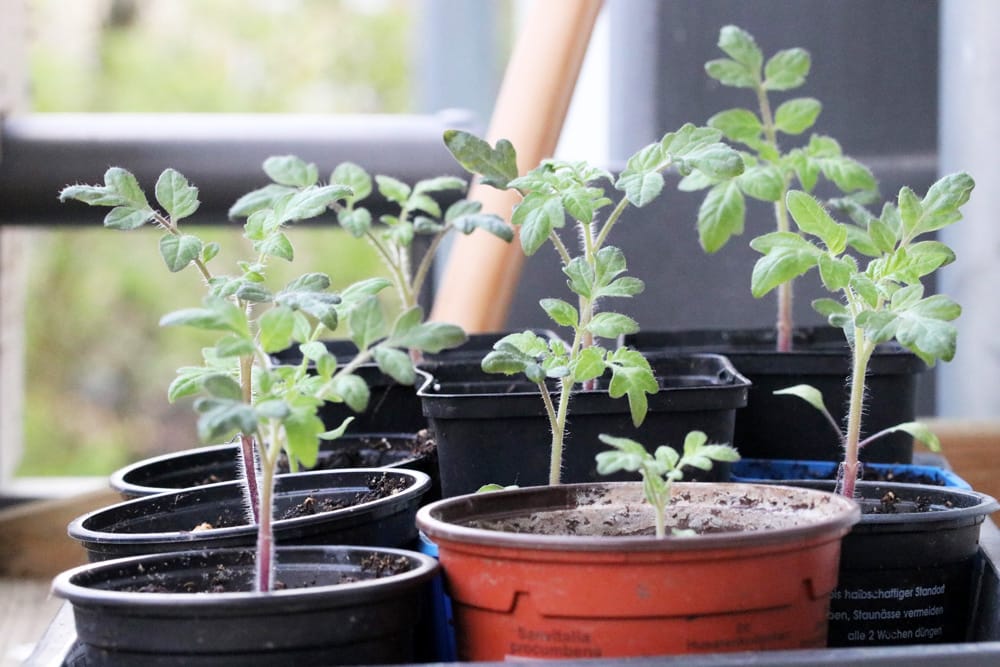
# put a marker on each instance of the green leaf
(589, 364)
(560, 312)
(636, 382)
(864, 287)
(625, 286)
(234, 346)
(786, 69)
(835, 272)
(925, 257)
(367, 323)
(357, 221)
(309, 282)
(847, 174)
(313, 201)
(813, 219)
(178, 198)
(276, 327)
(787, 257)
(537, 215)
(797, 115)
(303, 429)
(393, 189)
(223, 386)
(739, 45)
(258, 200)
(920, 432)
(763, 182)
(431, 337)
(641, 180)
(581, 277)
(125, 184)
(217, 315)
(220, 418)
(497, 166)
(355, 178)
(721, 216)
(469, 222)
(730, 73)
(126, 218)
(209, 251)
(352, 390)
(179, 251)
(737, 125)
(940, 206)
(291, 171)
(612, 325)
(335, 433)
(807, 393)
(628, 455)
(278, 245)
(396, 364)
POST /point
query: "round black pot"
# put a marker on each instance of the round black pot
(165, 522)
(786, 427)
(907, 576)
(492, 429)
(221, 463)
(333, 609)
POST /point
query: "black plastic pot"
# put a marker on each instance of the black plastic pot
(221, 463)
(165, 522)
(786, 427)
(393, 407)
(907, 576)
(332, 611)
(492, 429)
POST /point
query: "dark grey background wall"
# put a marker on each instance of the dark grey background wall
(874, 68)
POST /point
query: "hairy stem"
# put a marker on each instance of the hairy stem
(862, 353)
(555, 452)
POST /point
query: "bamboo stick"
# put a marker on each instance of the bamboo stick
(482, 272)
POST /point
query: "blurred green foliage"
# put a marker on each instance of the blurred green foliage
(89, 409)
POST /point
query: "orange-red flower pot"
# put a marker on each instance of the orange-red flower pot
(527, 595)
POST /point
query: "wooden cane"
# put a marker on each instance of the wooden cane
(482, 272)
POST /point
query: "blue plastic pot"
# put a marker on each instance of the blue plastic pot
(756, 470)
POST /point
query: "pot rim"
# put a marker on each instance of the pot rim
(837, 524)
(78, 529)
(65, 585)
(119, 478)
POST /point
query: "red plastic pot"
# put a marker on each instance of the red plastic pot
(527, 595)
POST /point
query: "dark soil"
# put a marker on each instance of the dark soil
(379, 486)
(370, 452)
(890, 503)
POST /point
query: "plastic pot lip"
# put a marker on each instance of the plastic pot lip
(436, 528)
(120, 480)
(973, 506)
(818, 350)
(66, 586)
(722, 367)
(952, 480)
(78, 529)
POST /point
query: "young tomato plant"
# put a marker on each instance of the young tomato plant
(881, 298)
(663, 467)
(560, 197)
(240, 390)
(770, 171)
(419, 214)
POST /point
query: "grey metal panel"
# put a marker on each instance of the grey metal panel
(221, 153)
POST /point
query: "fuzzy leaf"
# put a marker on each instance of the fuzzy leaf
(739, 45)
(276, 327)
(786, 69)
(355, 178)
(537, 215)
(560, 312)
(807, 393)
(721, 216)
(797, 115)
(179, 251)
(737, 125)
(396, 364)
(612, 325)
(763, 182)
(353, 390)
(291, 171)
(497, 166)
(730, 73)
(813, 219)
